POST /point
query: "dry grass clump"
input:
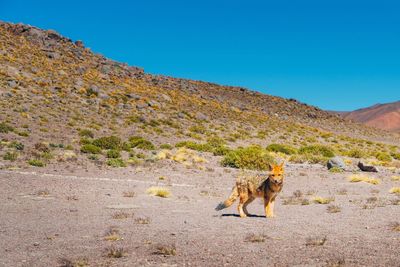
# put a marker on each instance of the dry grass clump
(114, 252)
(316, 241)
(333, 209)
(158, 191)
(395, 190)
(43, 193)
(361, 178)
(395, 178)
(143, 220)
(296, 199)
(322, 200)
(128, 194)
(395, 226)
(342, 192)
(64, 262)
(165, 250)
(256, 238)
(112, 234)
(119, 215)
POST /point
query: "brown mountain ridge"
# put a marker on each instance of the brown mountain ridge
(382, 116)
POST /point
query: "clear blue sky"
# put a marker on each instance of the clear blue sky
(338, 55)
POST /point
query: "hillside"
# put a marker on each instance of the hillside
(56, 91)
(103, 164)
(381, 116)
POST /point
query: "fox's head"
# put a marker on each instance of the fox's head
(276, 173)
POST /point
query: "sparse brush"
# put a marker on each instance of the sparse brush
(86, 133)
(113, 154)
(395, 178)
(143, 220)
(322, 200)
(112, 234)
(256, 238)
(116, 163)
(383, 156)
(64, 262)
(158, 191)
(316, 241)
(5, 128)
(333, 209)
(361, 178)
(11, 156)
(108, 142)
(120, 215)
(115, 252)
(395, 226)
(43, 193)
(395, 190)
(342, 191)
(36, 163)
(128, 194)
(165, 250)
(141, 143)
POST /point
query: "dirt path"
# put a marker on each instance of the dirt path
(49, 215)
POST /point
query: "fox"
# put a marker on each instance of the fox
(248, 188)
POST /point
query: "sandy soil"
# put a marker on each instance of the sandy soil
(57, 212)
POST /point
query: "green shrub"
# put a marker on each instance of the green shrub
(216, 141)
(166, 146)
(5, 128)
(252, 157)
(86, 133)
(141, 143)
(93, 157)
(195, 146)
(221, 150)
(108, 142)
(395, 155)
(317, 150)
(113, 154)
(17, 145)
(92, 149)
(200, 129)
(116, 163)
(11, 156)
(42, 147)
(383, 156)
(308, 158)
(85, 141)
(23, 133)
(355, 153)
(285, 149)
(36, 163)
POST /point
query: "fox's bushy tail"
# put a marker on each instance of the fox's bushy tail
(231, 199)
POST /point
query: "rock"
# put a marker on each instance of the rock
(365, 168)
(336, 162)
(12, 84)
(79, 43)
(93, 89)
(141, 105)
(165, 97)
(133, 96)
(201, 116)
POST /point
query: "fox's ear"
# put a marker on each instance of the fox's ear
(270, 167)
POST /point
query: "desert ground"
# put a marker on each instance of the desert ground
(89, 216)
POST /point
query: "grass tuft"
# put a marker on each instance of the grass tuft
(361, 178)
(158, 191)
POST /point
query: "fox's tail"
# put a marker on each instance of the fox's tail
(231, 199)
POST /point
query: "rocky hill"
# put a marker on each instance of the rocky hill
(382, 116)
(56, 91)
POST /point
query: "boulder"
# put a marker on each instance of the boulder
(336, 162)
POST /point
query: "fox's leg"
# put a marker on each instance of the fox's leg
(243, 198)
(269, 206)
(247, 203)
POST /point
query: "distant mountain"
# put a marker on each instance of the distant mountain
(382, 116)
